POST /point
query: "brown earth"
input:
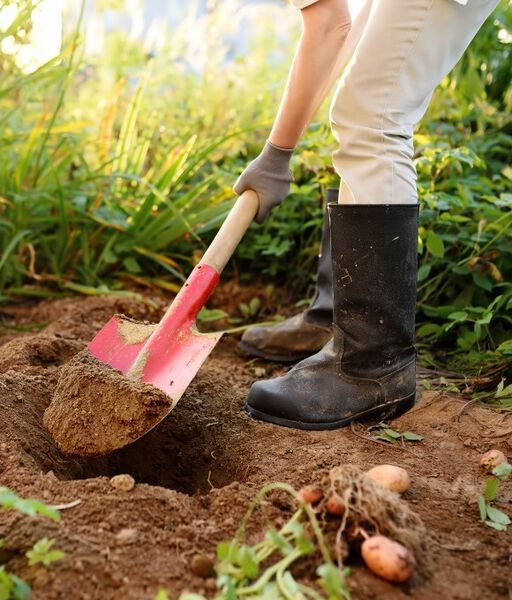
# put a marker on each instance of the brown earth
(197, 471)
(95, 409)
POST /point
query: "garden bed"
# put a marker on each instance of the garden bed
(198, 470)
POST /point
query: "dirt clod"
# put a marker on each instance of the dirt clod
(122, 483)
(127, 536)
(202, 566)
(96, 409)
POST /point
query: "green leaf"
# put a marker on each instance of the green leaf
(497, 516)
(503, 470)
(305, 545)
(332, 581)
(424, 271)
(291, 585)
(207, 315)
(435, 244)
(227, 551)
(482, 281)
(254, 305)
(6, 584)
(505, 348)
(30, 507)
(482, 507)
(131, 265)
(279, 541)
(21, 589)
(502, 391)
(42, 553)
(392, 433)
(385, 438)
(458, 316)
(248, 562)
(495, 525)
(492, 487)
(429, 329)
(12, 587)
(410, 436)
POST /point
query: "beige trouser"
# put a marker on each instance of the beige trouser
(406, 47)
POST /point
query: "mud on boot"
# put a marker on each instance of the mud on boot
(369, 367)
(304, 334)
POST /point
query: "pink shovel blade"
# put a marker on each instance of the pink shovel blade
(167, 355)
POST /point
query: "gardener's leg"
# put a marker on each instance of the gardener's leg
(369, 366)
(407, 47)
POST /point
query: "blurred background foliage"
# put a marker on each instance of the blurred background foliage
(116, 170)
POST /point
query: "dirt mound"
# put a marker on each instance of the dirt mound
(213, 458)
(31, 352)
(96, 409)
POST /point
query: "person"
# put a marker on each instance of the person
(356, 340)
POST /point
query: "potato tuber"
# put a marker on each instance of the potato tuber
(334, 506)
(394, 479)
(311, 494)
(387, 559)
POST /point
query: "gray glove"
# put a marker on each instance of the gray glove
(269, 176)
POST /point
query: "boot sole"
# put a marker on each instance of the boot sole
(248, 349)
(391, 409)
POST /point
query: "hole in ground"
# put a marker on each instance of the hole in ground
(199, 446)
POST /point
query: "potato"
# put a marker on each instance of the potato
(387, 559)
(334, 506)
(311, 494)
(491, 459)
(394, 479)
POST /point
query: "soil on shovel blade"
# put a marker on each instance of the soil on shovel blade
(96, 409)
(197, 471)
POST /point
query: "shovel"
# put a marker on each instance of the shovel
(168, 355)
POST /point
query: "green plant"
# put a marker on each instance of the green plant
(263, 570)
(42, 553)
(489, 514)
(384, 432)
(11, 586)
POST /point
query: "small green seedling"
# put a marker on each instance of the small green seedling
(387, 434)
(42, 553)
(250, 309)
(263, 571)
(11, 586)
(210, 315)
(489, 514)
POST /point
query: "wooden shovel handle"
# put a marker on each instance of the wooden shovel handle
(232, 231)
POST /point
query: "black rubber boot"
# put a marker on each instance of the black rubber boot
(369, 367)
(304, 334)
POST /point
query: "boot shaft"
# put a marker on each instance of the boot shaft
(320, 311)
(374, 261)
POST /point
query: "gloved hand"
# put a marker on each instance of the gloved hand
(269, 176)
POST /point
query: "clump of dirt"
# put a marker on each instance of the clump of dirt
(96, 409)
(31, 352)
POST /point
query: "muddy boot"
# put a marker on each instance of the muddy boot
(306, 333)
(368, 368)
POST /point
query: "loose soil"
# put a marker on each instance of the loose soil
(96, 409)
(197, 471)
